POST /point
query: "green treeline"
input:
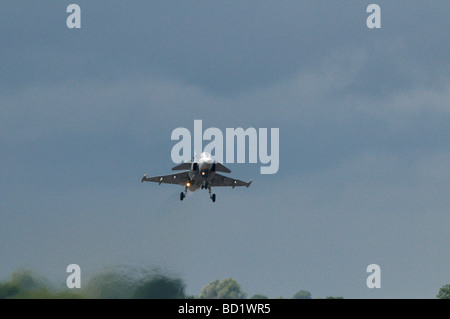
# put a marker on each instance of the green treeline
(119, 283)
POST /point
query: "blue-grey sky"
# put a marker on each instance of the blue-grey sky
(363, 115)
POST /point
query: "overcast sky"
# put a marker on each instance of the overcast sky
(363, 115)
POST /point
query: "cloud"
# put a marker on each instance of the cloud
(320, 112)
(224, 49)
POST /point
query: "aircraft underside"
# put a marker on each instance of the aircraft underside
(193, 186)
(201, 173)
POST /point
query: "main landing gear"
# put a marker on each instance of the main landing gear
(213, 196)
(183, 194)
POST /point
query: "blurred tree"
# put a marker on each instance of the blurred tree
(302, 294)
(131, 282)
(110, 284)
(25, 284)
(160, 287)
(444, 292)
(259, 296)
(8, 290)
(227, 289)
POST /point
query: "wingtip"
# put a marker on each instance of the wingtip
(143, 178)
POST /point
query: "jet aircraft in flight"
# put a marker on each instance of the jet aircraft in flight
(200, 173)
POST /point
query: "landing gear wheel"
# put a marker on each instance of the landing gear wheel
(182, 196)
(213, 197)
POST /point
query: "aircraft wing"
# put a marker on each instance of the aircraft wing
(178, 179)
(221, 168)
(182, 167)
(220, 180)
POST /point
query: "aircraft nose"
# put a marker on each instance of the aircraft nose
(206, 165)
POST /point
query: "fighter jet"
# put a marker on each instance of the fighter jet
(200, 173)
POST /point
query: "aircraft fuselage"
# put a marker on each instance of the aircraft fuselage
(201, 172)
